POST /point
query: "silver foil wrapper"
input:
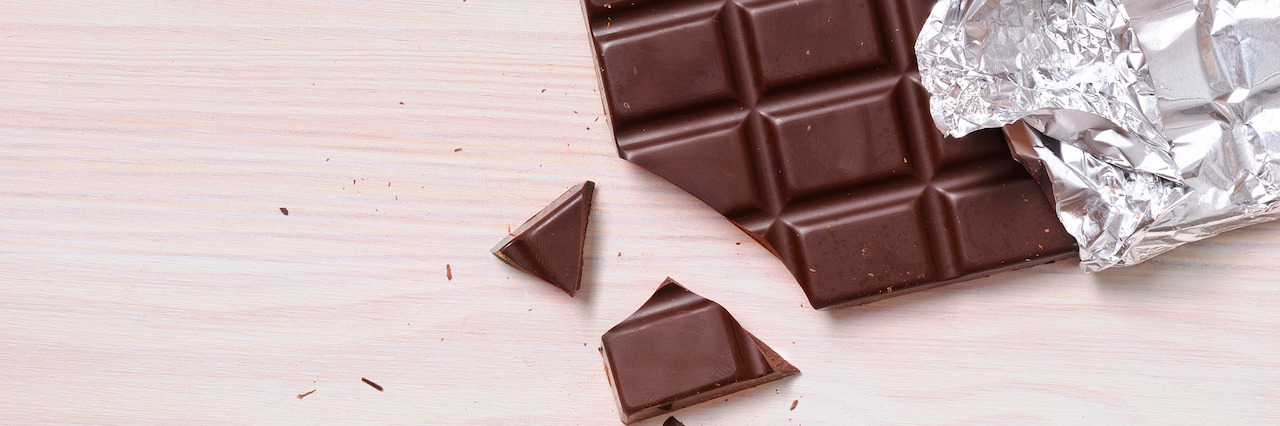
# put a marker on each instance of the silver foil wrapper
(1157, 121)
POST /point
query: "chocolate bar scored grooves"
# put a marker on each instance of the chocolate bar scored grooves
(804, 123)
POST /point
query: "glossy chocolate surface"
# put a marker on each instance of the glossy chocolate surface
(680, 349)
(549, 245)
(804, 123)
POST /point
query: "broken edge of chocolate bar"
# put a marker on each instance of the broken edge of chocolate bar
(680, 349)
(549, 245)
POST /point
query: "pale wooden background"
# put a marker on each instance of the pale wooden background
(148, 275)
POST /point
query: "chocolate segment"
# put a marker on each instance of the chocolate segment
(804, 123)
(672, 421)
(680, 349)
(549, 245)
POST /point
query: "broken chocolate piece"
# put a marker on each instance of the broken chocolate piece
(549, 246)
(680, 349)
(671, 421)
(284, 210)
(805, 124)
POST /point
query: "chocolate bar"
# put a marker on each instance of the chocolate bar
(804, 123)
(680, 349)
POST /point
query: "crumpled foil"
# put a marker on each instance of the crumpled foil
(1160, 118)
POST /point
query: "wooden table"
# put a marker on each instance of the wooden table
(147, 273)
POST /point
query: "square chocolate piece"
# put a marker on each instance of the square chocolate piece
(681, 349)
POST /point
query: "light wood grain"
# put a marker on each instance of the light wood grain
(148, 275)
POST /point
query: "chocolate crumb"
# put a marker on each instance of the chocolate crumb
(371, 383)
(402, 103)
(544, 90)
(457, 150)
(448, 272)
(284, 210)
(794, 404)
(304, 395)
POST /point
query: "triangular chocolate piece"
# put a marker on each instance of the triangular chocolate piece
(549, 245)
(680, 349)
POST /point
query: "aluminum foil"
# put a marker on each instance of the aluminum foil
(1160, 118)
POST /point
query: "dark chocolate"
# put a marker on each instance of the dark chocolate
(549, 245)
(805, 124)
(672, 421)
(680, 349)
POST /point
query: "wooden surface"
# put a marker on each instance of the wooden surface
(148, 275)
